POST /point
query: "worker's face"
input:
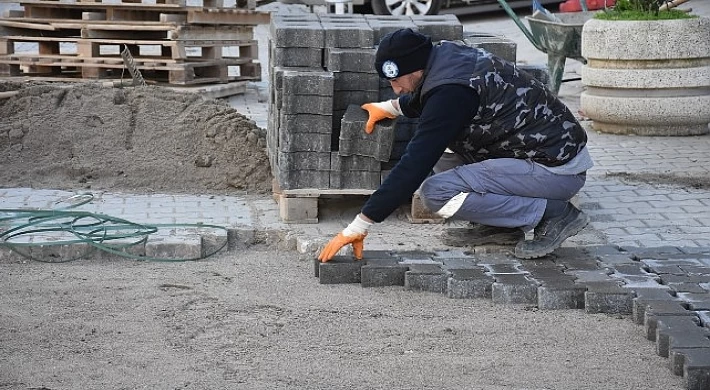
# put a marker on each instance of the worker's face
(407, 83)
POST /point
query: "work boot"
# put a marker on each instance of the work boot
(551, 232)
(478, 234)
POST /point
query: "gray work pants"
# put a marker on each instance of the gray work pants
(504, 192)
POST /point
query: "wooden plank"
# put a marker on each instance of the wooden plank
(315, 192)
(40, 12)
(79, 23)
(213, 33)
(14, 13)
(93, 16)
(22, 38)
(177, 73)
(90, 6)
(25, 25)
(227, 17)
(173, 18)
(214, 91)
(121, 27)
(298, 210)
(6, 47)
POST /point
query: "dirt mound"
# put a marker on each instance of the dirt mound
(146, 139)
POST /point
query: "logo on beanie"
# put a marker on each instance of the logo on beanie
(390, 69)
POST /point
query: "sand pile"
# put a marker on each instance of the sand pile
(146, 139)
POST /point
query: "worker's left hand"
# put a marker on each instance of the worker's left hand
(354, 234)
(376, 112)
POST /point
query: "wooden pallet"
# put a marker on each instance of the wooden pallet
(171, 58)
(301, 205)
(136, 12)
(122, 30)
(181, 73)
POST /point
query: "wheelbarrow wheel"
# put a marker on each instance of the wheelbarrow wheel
(406, 7)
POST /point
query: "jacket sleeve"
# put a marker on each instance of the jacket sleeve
(410, 107)
(447, 110)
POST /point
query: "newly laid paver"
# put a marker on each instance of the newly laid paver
(693, 364)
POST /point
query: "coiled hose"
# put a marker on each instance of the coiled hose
(29, 231)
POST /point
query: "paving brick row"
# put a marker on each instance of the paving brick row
(355, 141)
(348, 34)
(561, 294)
(695, 301)
(466, 283)
(501, 46)
(439, 27)
(608, 297)
(360, 60)
(426, 277)
(344, 44)
(355, 179)
(303, 142)
(342, 99)
(504, 269)
(356, 81)
(680, 332)
(310, 82)
(653, 311)
(462, 263)
(306, 123)
(693, 364)
(647, 297)
(297, 57)
(678, 322)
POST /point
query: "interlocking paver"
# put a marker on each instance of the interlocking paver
(693, 364)
(654, 311)
(341, 269)
(426, 277)
(680, 332)
(514, 289)
(608, 298)
(469, 283)
(561, 294)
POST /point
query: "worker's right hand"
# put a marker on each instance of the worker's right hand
(354, 234)
(338, 242)
(388, 109)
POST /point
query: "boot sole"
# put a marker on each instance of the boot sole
(572, 229)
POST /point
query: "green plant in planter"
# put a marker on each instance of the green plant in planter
(641, 10)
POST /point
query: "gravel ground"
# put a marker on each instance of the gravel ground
(259, 319)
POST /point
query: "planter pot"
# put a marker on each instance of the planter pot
(647, 77)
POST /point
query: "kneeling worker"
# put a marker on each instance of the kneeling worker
(519, 154)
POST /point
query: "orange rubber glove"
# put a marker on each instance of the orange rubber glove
(354, 234)
(379, 111)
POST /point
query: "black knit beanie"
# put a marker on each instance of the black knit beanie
(402, 52)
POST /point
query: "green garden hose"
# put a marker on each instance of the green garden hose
(24, 231)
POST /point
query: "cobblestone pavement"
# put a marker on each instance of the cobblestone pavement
(647, 239)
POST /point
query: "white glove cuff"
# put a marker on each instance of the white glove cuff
(357, 227)
(393, 109)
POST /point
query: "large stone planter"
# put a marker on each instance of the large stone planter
(647, 77)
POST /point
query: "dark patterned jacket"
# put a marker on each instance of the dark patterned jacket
(516, 116)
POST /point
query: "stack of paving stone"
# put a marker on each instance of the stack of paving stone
(323, 68)
(322, 72)
(666, 290)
